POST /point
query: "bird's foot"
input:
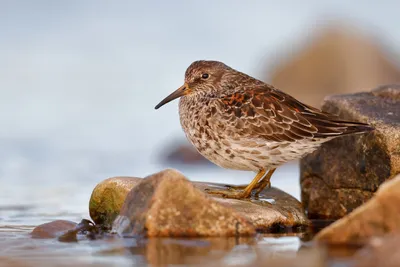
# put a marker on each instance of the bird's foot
(235, 194)
(258, 186)
(235, 187)
(242, 187)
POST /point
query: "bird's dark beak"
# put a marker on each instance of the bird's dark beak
(181, 91)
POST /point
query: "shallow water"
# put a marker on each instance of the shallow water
(23, 207)
(18, 246)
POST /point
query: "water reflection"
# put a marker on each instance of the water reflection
(17, 245)
(206, 251)
(17, 248)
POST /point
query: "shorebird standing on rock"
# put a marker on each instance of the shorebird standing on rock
(239, 122)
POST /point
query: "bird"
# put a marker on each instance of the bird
(242, 123)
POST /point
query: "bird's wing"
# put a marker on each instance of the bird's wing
(273, 115)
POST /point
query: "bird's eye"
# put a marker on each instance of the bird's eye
(205, 76)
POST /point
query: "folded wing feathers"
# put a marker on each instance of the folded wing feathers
(273, 115)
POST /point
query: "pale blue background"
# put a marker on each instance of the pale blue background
(79, 81)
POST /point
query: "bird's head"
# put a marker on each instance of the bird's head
(206, 77)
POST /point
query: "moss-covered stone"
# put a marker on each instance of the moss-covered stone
(107, 199)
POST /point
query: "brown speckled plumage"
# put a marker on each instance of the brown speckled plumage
(239, 122)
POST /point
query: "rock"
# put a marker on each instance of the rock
(345, 172)
(274, 211)
(84, 227)
(52, 229)
(377, 217)
(335, 60)
(107, 199)
(167, 204)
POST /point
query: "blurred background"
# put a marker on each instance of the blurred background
(79, 81)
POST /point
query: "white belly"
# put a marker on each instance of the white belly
(256, 155)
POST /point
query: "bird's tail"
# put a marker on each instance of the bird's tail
(356, 127)
(329, 126)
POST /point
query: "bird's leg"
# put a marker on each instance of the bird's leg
(261, 183)
(265, 182)
(245, 193)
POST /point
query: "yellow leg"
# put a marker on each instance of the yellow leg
(259, 184)
(246, 193)
(265, 182)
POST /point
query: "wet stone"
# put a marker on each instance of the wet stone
(345, 172)
(274, 211)
(107, 199)
(166, 204)
(52, 229)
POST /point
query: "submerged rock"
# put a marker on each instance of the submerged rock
(52, 229)
(377, 217)
(107, 199)
(345, 172)
(167, 204)
(274, 211)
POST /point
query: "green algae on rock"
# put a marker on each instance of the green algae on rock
(344, 173)
(107, 199)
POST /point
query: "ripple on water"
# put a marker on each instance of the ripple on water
(16, 244)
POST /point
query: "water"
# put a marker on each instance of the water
(23, 207)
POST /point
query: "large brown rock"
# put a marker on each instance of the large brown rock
(167, 204)
(274, 211)
(335, 60)
(345, 172)
(377, 217)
